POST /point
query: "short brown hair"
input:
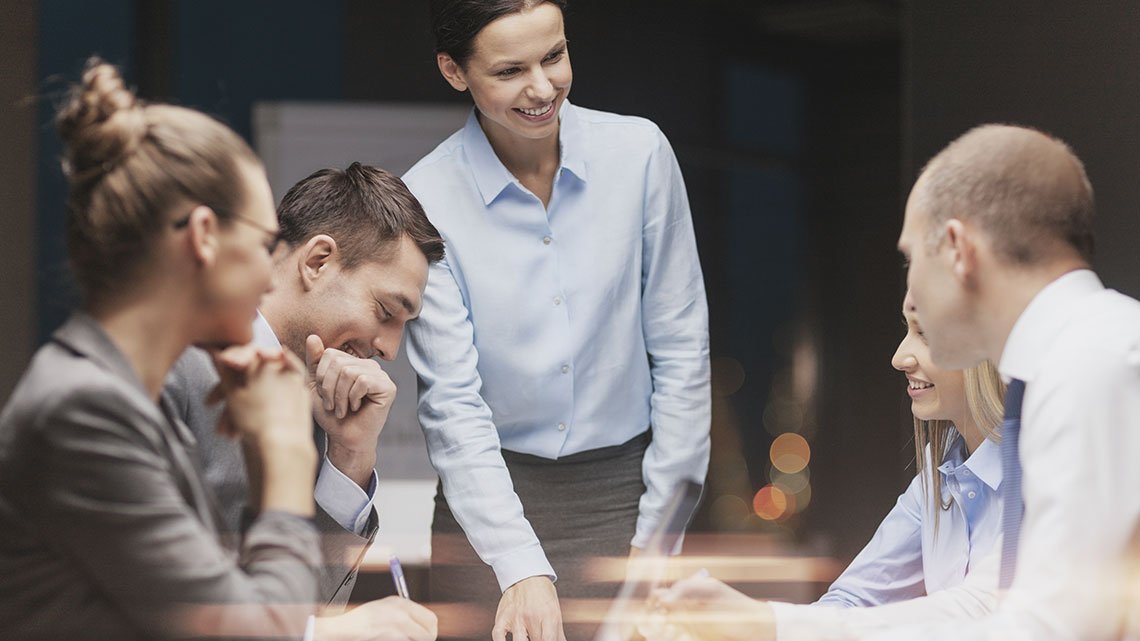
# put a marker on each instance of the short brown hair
(1026, 190)
(365, 209)
(127, 164)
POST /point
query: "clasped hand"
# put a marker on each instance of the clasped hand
(705, 609)
(264, 393)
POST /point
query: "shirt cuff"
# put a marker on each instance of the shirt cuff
(643, 536)
(522, 565)
(342, 499)
(796, 622)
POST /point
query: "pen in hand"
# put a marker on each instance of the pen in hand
(398, 577)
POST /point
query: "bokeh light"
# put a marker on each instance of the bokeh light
(729, 512)
(770, 503)
(727, 375)
(791, 483)
(783, 414)
(803, 498)
(796, 488)
(805, 368)
(790, 453)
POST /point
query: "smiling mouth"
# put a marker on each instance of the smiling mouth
(538, 112)
(919, 385)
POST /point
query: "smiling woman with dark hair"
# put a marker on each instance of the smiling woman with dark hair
(563, 347)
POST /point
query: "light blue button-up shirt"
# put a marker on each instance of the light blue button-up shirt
(905, 559)
(554, 330)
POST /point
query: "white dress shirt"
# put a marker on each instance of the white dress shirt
(339, 496)
(1077, 347)
(554, 330)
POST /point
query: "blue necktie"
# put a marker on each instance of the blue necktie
(1011, 505)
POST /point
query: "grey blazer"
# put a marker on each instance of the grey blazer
(106, 528)
(221, 460)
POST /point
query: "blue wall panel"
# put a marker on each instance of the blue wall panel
(69, 32)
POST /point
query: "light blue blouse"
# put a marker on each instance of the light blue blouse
(554, 330)
(904, 559)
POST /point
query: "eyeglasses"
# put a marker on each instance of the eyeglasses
(274, 235)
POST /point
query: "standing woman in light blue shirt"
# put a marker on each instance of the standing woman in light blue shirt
(563, 346)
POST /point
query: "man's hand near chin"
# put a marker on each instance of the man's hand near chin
(351, 400)
(390, 619)
(529, 610)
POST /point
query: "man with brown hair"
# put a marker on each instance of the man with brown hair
(350, 267)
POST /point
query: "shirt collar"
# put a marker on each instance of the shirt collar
(1042, 319)
(492, 177)
(84, 335)
(571, 140)
(263, 335)
(984, 463)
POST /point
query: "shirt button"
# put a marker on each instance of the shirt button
(565, 369)
(557, 300)
(561, 427)
(965, 472)
(972, 494)
(546, 240)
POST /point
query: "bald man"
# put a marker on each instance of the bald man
(998, 237)
(998, 233)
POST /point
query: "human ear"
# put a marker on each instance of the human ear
(963, 249)
(451, 71)
(203, 228)
(315, 258)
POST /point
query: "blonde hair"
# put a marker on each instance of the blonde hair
(127, 164)
(985, 393)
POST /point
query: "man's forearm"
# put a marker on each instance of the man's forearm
(356, 464)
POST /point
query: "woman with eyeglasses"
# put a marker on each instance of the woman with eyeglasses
(107, 530)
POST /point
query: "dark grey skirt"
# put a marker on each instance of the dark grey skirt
(582, 507)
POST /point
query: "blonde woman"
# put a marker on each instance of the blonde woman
(940, 530)
(950, 515)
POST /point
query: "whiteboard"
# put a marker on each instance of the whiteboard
(294, 139)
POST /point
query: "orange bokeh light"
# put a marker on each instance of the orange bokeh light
(790, 453)
(770, 503)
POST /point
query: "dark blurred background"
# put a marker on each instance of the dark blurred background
(799, 126)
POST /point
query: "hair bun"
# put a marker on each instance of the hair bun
(102, 122)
